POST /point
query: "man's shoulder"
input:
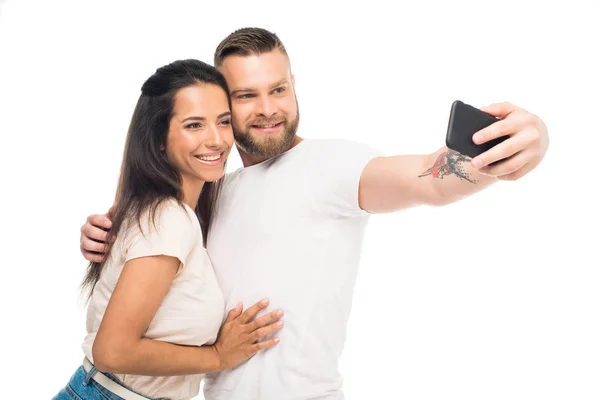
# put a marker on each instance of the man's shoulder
(232, 174)
(340, 146)
(230, 177)
(333, 142)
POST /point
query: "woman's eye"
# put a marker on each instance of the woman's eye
(195, 125)
(226, 122)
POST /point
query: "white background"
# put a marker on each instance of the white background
(494, 297)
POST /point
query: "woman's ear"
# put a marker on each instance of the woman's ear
(162, 147)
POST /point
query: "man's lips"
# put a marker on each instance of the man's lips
(267, 128)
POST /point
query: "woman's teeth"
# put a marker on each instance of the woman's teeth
(209, 159)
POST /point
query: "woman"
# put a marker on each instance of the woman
(155, 308)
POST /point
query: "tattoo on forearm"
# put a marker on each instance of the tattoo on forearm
(449, 163)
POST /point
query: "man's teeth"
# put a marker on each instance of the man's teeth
(267, 126)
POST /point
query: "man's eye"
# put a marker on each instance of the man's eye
(279, 90)
(245, 96)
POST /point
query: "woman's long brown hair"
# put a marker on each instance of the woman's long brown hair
(147, 179)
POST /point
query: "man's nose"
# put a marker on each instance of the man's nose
(266, 107)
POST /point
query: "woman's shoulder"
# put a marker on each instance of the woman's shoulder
(170, 217)
(174, 209)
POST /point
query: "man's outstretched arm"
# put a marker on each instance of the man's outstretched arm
(393, 183)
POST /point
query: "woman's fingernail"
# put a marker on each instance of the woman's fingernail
(477, 138)
(264, 301)
(279, 324)
(279, 313)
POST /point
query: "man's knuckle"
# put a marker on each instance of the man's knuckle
(510, 149)
(532, 119)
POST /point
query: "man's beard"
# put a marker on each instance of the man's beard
(268, 145)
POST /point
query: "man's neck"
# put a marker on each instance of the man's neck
(250, 160)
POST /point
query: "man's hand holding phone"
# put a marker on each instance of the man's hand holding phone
(506, 141)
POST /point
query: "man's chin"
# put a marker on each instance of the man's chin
(265, 147)
(266, 144)
(267, 139)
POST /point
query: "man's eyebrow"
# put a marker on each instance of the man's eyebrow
(243, 90)
(240, 90)
(279, 83)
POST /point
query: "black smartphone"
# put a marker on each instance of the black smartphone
(465, 121)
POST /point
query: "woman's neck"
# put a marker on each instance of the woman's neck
(191, 192)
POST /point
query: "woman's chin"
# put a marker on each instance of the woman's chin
(212, 176)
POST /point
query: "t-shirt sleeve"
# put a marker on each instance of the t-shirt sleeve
(174, 232)
(348, 159)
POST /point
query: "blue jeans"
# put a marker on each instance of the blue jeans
(83, 387)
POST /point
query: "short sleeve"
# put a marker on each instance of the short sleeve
(347, 160)
(174, 232)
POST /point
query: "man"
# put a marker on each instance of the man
(289, 225)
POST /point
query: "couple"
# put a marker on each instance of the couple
(288, 226)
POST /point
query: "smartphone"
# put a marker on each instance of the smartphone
(465, 121)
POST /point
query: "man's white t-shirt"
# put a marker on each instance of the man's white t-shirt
(291, 229)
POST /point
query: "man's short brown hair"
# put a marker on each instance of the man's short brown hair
(246, 42)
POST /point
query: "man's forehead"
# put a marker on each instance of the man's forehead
(257, 71)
